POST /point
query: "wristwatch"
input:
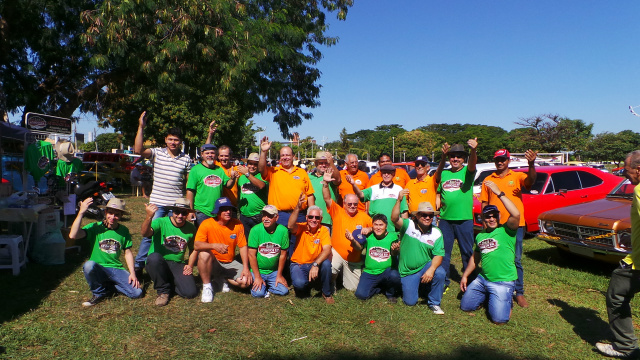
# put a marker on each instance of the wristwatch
(315, 264)
(501, 194)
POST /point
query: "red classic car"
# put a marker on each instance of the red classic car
(558, 186)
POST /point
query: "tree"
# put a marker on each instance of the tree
(490, 138)
(108, 141)
(345, 144)
(553, 133)
(608, 146)
(417, 142)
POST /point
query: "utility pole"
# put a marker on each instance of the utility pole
(393, 149)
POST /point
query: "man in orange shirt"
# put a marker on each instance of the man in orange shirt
(310, 259)
(360, 177)
(400, 178)
(345, 256)
(423, 188)
(216, 242)
(511, 182)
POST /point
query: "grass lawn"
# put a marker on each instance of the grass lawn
(41, 317)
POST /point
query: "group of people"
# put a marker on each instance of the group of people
(386, 234)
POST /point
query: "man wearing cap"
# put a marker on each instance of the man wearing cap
(378, 274)
(216, 242)
(512, 183)
(67, 162)
(421, 253)
(206, 183)
(456, 200)
(268, 244)
(252, 193)
(382, 196)
(423, 187)
(359, 177)
(495, 250)
(171, 238)
(286, 182)
(170, 168)
(324, 162)
(346, 253)
(310, 258)
(400, 178)
(104, 271)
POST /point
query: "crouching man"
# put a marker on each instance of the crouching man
(104, 270)
(171, 237)
(495, 250)
(268, 245)
(216, 242)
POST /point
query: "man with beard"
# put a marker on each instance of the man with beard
(456, 199)
(512, 183)
(108, 238)
(171, 238)
(268, 244)
(324, 162)
(205, 184)
(495, 249)
(360, 179)
(252, 193)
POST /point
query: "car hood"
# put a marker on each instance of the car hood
(599, 213)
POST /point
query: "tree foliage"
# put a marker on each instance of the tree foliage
(608, 146)
(553, 133)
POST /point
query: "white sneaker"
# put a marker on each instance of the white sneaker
(225, 287)
(436, 309)
(207, 295)
(609, 350)
(266, 296)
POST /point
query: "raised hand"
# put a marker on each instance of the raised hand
(473, 143)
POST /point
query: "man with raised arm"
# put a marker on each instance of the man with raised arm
(424, 187)
(252, 193)
(324, 162)
(360, 179)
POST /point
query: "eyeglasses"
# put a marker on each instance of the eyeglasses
(421, 214)
(459, 156)
(270, 216)
(421, 164)
(490, 216)
(312, 217)
(181, 212)
(351, 204)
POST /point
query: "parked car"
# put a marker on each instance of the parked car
(558, 186)
(598, 229)
(95, 172)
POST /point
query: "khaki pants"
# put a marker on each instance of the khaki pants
(350, 271)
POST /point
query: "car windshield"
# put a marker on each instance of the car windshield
(625, 189)
(538, 186)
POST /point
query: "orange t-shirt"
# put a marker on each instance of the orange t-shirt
(308, 245)
(421, 191)
(341, 222)
(512, 185)
(362, 181)
(401, 178)
(285, 187)
(232, 193)
(231, 234)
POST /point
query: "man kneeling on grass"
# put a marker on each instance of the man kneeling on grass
(495, 249)
(170, 239)
(104, 270)
(268, 244)
(377, 275)
(216, 242)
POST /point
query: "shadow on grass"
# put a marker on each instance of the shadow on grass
(586, 322)
(555, 257)
(465, 352)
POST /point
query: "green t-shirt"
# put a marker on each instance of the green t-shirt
(383, 199)
(317, 192)
(63, 168)
(251, 200)
(378, 256)
(268, 246)
(207, 184)
(416, 248)
(107, 244)
(170, 241)
(38, 159)
(497, 251)
(456, 194)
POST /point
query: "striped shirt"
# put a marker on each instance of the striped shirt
(169, 176)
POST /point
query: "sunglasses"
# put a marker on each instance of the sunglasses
(459, 156)
(490, 216)
(312, 217)
(351, 204)
(424, 215)
(421, 164)
(500, 159)
(268, 215)
(181, 212)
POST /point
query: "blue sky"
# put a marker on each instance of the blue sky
(482, 62)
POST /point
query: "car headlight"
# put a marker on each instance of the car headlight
(547, 226)
(624, 239)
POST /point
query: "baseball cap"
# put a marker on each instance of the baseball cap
(357, 234)
(490, 209)
(220, 203)
(206, 147)
(270, 209)
(422, 158)
(321, 155)
(502, 153)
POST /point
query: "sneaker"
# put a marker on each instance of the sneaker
(267, 295)
(392, 300)
(328, 299)
(521, 301)
(608, 350)
(436, 309)
(162, 299)
(225, 287)
(93, 301)
(207, 295)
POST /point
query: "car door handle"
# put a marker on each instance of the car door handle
(584, 196)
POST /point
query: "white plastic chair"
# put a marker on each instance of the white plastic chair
(12, 253)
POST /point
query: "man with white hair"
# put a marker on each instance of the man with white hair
(360, 179)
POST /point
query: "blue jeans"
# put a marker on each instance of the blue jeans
(520, 281)
(145, 244)
(283, 218)
(104, 280)
(200, 217)
(270, 285)
(370, 285)
(248, 222)
(461, 230)
(412, 287)
(500, 294)
(300, 278)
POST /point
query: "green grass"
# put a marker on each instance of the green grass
(41, 317)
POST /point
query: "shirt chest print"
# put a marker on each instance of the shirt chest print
(249, 188)
(423, 238)
(488, 245)
(379, 254)
(212, 180)
(452, 185)
(110, 246)
(269, 249)
(174, 243)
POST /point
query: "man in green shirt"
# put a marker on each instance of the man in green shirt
(495, 249)
(171, 237)
(268, 244)
(252, 193)
(324, 161)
